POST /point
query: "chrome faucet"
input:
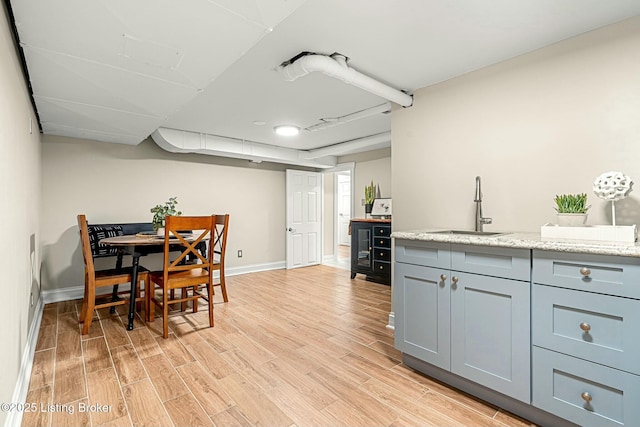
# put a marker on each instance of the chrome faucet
(480, 220)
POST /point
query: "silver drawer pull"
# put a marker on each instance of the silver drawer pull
(586, 396)
(443, 277)
(381, 268)
(454, 280)
(585, 271)
(585, 326)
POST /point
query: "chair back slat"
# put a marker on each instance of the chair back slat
(219, 239)
(175, 226)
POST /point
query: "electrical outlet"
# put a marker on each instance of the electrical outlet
(239, 253)
(31, 299)
(362, 202)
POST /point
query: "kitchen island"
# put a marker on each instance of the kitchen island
(546, 329)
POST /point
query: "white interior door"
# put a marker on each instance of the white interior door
(304, 218)
(344, 208)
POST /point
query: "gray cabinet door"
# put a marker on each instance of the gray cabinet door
(490, 330)
(421, 301)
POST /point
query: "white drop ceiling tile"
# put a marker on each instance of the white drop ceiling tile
(268, 12)
(63, 77)
(60, 130)
(76, 27)
(204, 37)
(94, 118)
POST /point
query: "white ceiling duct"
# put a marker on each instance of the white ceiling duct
(336, 66)
(328, 122)
(181, 141)
(373, 142)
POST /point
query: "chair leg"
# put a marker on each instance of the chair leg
(165, 314)
(88, 311)
(210, 302)
(183, 295)
(138, 290)
(223, 286)
(83, 310)
(149, 296)
(114, 298)
(194, 303)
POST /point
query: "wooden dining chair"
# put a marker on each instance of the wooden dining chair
(94, 279)
(189, 271)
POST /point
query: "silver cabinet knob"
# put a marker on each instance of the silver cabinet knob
(586, 396)
(443, 277)
(585, 326)
(454, 280)
(585, 271)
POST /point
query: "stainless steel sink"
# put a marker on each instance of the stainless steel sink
(469, 232)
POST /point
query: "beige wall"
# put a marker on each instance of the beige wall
(328, 213)
(119, 183)
(373, 165)
(542, 124)
(19, 213)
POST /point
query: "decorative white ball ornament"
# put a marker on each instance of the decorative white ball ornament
(612, 186)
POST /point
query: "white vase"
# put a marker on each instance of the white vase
(572, 219)
(160, 231)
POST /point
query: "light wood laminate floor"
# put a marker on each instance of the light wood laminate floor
(305, 347)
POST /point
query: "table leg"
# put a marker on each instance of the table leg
(134, 282)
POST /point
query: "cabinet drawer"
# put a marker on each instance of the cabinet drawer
(381, 231)
(382, 268)
(381, 242)
(380, 254)
(492, 261)
(599, 328)
(594, 273)
(561, 381)
(429, 254)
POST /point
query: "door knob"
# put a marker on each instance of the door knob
(293, 230)
(443, 277)
(454, 280)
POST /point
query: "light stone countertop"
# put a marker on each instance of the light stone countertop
(524, 241)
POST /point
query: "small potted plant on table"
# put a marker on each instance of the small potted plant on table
(161, 211)
(571, 209)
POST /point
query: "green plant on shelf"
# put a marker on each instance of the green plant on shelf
(369, 193)
(571, 203)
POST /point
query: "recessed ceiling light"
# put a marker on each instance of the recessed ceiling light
(287, 130)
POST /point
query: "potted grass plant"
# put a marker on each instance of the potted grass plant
(571, 209)
(161, 211)
(369, 196)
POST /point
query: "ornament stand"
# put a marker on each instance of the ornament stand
(609, 186)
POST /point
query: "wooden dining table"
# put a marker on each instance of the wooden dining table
(138, 245)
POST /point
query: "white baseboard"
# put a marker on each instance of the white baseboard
(392, 321)
(14, 419)
(329, 258)
(77, 292)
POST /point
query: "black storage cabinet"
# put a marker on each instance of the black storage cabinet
(371, 249)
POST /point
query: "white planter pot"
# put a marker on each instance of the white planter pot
(160, 231)
(572, 219)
